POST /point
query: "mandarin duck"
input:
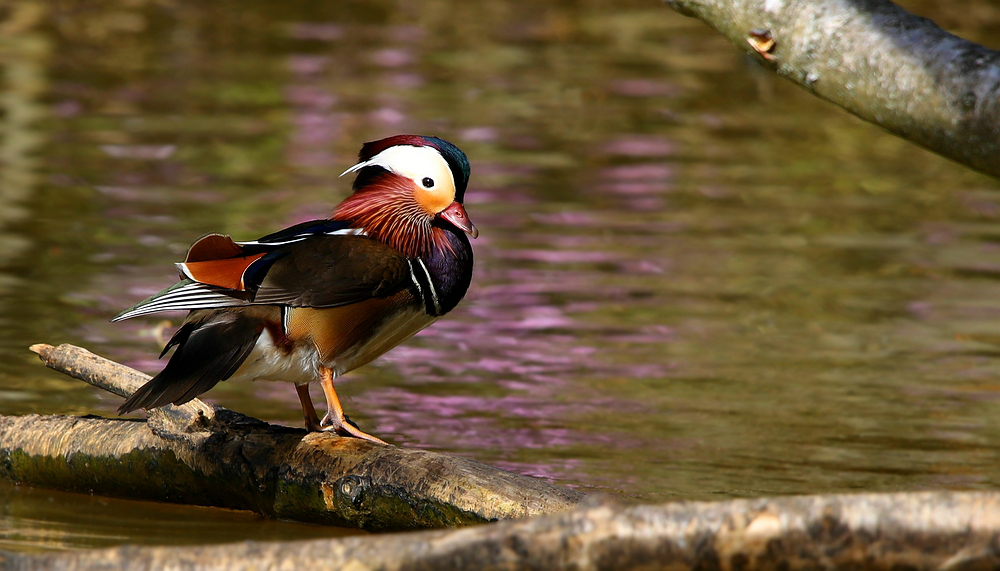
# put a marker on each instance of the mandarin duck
(321, 298)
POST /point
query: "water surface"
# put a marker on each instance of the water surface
(694, 281)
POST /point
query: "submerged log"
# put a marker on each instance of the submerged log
(207, 455)
(939, 530)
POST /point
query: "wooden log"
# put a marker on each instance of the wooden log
(207, 455)
(934, 530)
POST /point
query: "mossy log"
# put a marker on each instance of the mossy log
(210, 456)
(939, 530)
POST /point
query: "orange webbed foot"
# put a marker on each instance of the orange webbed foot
(345, 427)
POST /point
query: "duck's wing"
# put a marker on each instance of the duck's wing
(315, 264)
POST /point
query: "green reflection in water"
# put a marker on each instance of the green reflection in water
(693, 281)
(33, 519)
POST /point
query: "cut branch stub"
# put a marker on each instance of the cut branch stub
(761, 40)
(118, 379)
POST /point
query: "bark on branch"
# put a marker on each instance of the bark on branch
(877, 61)
(942, 530)
(206, 455)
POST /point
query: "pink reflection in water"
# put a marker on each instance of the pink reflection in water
(66, 109)
(639, 146)
(316, 125)
(310, 96)
(472, 421)
(479, 134)
(141, 194)
(404, 80)
(567, 218)
(388, 116)
(405, 34)
(559, 256)
(392, 57)
(316, 31)
(644, 88)
(919, 309)
(637, 180)
(641, 171)
(307, 64)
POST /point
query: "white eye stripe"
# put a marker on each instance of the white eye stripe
(416, 163)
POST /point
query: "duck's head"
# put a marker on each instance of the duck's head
(405, 185)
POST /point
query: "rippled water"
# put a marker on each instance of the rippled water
(693, 281)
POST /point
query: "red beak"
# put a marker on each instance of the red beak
(457, 215)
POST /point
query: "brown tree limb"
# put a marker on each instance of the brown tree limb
(879, 62)
(206, 455)
(940, 530)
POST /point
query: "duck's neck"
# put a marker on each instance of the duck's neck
(387, 212)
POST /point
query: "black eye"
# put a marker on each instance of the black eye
(427, 182)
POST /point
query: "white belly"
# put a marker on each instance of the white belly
(268, 362)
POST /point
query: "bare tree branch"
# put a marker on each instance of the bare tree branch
(879, 62)
(940, 530)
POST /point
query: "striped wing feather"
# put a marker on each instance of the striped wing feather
(329, 267)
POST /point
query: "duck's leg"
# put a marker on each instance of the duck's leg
(308, 410)
(335, 420)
